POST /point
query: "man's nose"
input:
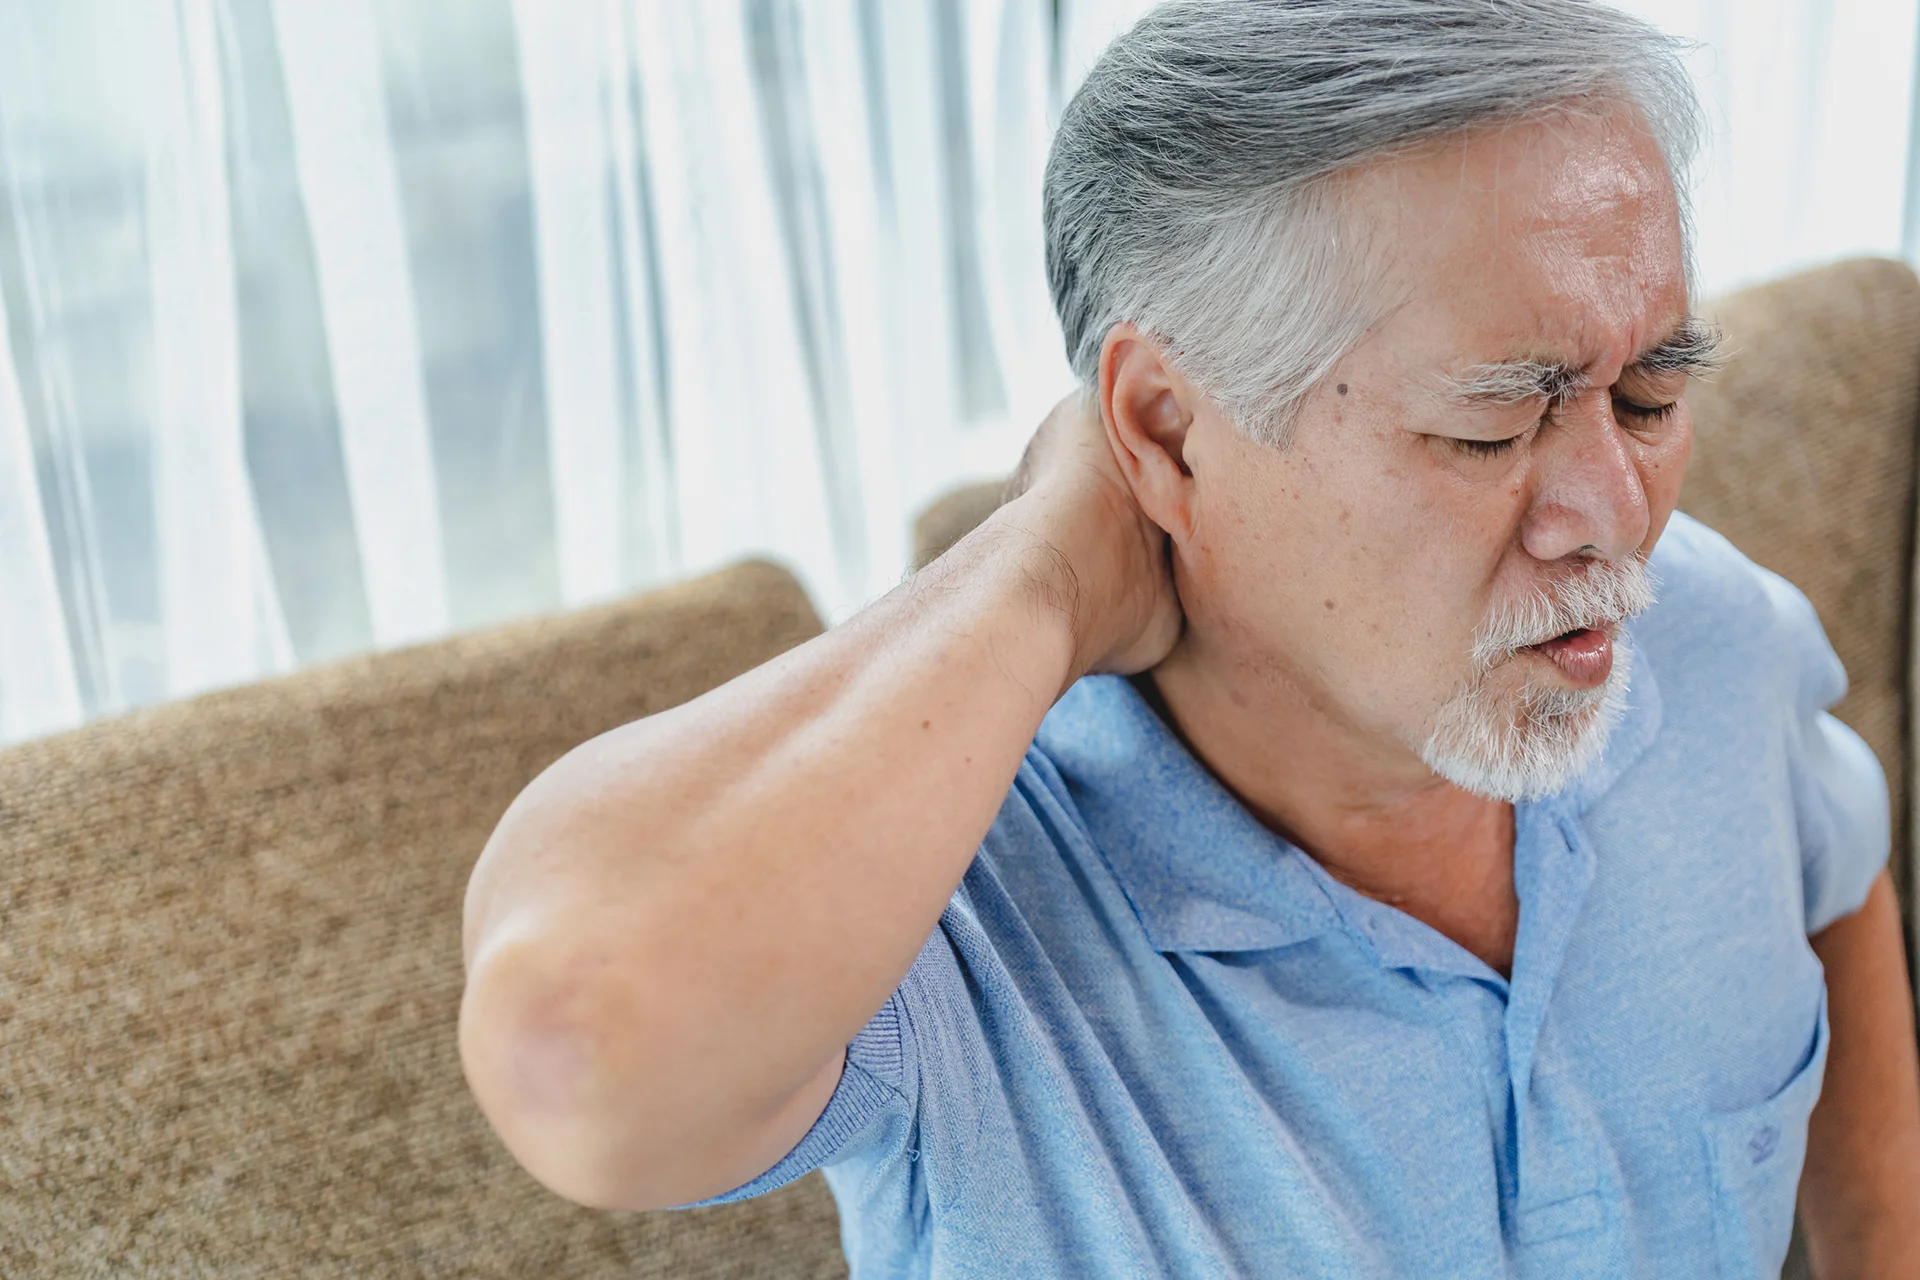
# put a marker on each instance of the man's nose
(1588, 496)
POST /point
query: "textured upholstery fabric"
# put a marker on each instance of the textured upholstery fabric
(1803, 457)
(230, 966)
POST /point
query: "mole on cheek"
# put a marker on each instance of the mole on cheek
(1328, 603)
(1342, 388)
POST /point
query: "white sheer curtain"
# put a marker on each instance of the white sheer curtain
(332, 326)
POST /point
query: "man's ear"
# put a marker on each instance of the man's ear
(1148, 409)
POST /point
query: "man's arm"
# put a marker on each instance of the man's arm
(1860, 1194)
(675, 931)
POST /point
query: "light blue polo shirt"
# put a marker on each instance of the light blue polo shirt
(1151, 1038)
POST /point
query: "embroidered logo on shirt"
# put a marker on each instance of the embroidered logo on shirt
(1762, 1143)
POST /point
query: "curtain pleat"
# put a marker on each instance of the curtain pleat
(38, 690)
(330, 55)
(220, 616)
(1015, 119)
(922, 344)
(652, 526)
(791, 136)
(77, 298)
(568, 98)
(878, 418)
(744, 431)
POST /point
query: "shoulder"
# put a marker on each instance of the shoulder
(1704, 579)
(1720, 613)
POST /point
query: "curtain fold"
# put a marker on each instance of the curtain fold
(569, 95)
(335, 326)
(343, 150)
(745, 435)
(216, 618)
(40, 693)
(652, 522)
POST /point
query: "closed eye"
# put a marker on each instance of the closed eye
(1646, 412)
(1642, 413)
(1487, 448)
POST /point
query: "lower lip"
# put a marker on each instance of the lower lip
(1583, 658)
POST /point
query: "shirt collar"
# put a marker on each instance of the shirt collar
(1200, 871)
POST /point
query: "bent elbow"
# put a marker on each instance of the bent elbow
(540, 1080)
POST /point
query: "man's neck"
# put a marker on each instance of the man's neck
(1369, 812)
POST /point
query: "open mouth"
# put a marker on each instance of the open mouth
(1574, 637)
(1584, 655)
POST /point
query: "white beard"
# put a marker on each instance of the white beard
(1506, 748)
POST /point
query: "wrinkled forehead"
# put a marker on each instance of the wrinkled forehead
(1557, 237)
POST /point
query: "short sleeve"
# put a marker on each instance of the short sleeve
(1839, 788)
(873, 1105)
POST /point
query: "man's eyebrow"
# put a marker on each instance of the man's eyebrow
(1513, 381)
(1696, 347)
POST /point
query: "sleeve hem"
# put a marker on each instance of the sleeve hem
(869, 1085)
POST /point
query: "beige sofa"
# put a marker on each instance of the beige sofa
(230, 928)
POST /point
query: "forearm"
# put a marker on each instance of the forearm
(1860, 1194)
(684, 921)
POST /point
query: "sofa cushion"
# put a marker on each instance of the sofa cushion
(230, 965)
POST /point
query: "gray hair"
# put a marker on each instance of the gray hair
(1187, 194)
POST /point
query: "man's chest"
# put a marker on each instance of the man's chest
(1367, 1083)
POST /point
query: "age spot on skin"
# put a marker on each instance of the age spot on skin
(1328, 603)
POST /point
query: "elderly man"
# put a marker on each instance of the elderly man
(1288, 838)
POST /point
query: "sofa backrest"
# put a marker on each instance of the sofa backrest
(1803, 457)
(230, 966)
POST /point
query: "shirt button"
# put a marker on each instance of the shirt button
(1763, 1143)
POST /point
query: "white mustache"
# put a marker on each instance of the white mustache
(1608, 591)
